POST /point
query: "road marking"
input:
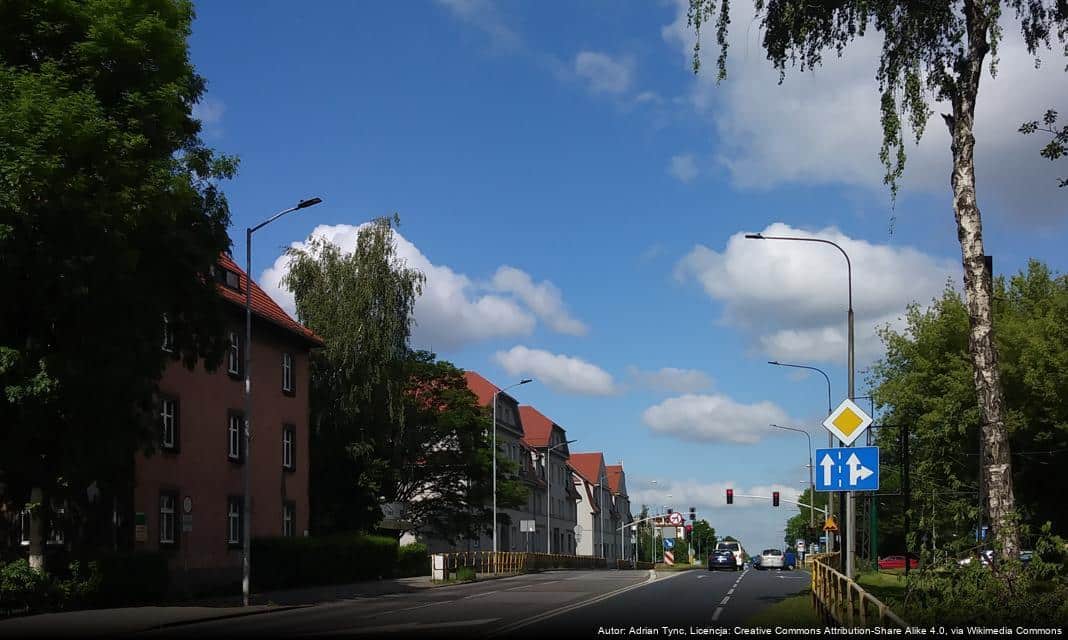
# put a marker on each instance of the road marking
(578, 605)
(724, 600)
(408, 626)
(536, 584)
(715, 615)
(479, 595)
(731, 592)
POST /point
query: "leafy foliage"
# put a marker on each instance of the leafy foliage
(110, 216)
(1058, 144)
(797, 527)
(280, 563)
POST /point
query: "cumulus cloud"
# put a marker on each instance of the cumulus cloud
(543, 298)
(670, 379)
(603, 73)
(792, 296)
(713, 418)
(823, 127)
(683, 167)
(484, 15)
(452, 311)
(563, 373)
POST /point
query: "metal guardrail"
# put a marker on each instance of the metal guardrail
(836, 597)
(514, 562)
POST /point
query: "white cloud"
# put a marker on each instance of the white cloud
(671, 379)
(452, 311)
(683, 167)
(562, 373)
(710, 418)
(603, 73)
(792, 296)
(648, 96)
(210, 113)
(484, 15)
(543, 299)
(823, 127)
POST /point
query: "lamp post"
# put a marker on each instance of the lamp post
(246, 516)
(497, 393)
(811, 481)
(850, 532)
(652, 534)
(548, 493)
(830, 436)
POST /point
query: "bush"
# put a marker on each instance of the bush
(465, 574)
(23, 588)
(412, 560)
(280, 563)
(126, 578)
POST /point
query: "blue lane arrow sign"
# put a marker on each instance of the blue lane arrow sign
(847, 469)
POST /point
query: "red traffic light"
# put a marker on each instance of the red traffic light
(730, 496)
(689, 528)
(775, 498)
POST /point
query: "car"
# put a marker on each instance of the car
(898, 562)
(771, 559)
(986, 557)
(723, 559)
(735, 548)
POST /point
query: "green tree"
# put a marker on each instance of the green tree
(442, 465)
(360, 304)
(930, 49)
(798, 527)
(925, 381)
(703, 537)
(1057, 147)
(110, 217)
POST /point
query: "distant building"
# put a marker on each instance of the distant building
(617, 483)
(542, 434)
(597, 516)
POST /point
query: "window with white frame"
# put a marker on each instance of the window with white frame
(233, 520)
(233, 435)
(233, 355)
(168, 418)
(289, 438)
(287, 372)
(167, 502)
(289, 519)
(168, 335)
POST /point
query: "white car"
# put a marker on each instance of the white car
(770, 559)
(733, 547)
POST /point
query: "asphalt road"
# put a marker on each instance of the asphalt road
(560, 603)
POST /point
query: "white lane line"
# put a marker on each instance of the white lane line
(731, 592)
(536, 584)
(715, 615)
(724, 600)
(479, 595)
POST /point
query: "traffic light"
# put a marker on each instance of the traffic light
(730, 496)
(774, 498)
(693, 514)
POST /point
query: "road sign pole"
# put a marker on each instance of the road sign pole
(851, 515)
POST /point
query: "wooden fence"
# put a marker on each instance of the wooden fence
(841, 600)
(514, 562)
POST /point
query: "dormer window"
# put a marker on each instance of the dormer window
(227, 278)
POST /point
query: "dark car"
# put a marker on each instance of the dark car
(722, 560)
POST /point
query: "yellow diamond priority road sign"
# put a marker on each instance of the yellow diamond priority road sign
(847, 422)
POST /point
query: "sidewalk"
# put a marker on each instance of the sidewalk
(127, 620)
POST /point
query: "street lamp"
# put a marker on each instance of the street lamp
(247, 508)
(850, 500)
(548, 494)
(652, 535)
(811, 482)
(498, 392)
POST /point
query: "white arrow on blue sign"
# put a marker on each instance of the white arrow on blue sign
(669, 544)
(847, 469)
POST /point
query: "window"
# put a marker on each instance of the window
(233, 356)
(234, 518)
(168, 335)
(289, 519)
(235, 424)
(167, 533)
(287, 372)
(227, 278)
(168, 417)
(55, 527)
(289, 443)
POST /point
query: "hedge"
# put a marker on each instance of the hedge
(281, 563)
(412, 560)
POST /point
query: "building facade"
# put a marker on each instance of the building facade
(597, 516)
(617, 484)
(188, 497)
(556, 529)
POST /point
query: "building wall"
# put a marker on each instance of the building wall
(201, 470)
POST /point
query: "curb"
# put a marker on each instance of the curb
(225, 616)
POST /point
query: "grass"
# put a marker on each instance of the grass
(889, 587)
(795, 611)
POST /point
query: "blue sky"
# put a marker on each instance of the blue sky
(577, 197)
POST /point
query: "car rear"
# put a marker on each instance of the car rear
(771, 559)
(735, 549)
(722, 560)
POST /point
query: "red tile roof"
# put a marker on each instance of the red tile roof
(481, 387)
(588, 465)
(537, 429)
(615, 474)
(262, 305)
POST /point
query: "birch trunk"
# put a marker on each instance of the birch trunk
(996, 467)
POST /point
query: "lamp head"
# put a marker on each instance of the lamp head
(311, 202)
(754, 236)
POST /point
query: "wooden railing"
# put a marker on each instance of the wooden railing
(513, 562)
(837, 598)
